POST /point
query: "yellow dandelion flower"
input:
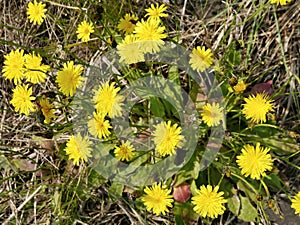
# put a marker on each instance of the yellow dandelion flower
(124, 152)
(209, 202)
(156, 12)
(157, 199)
(167, 138)
(36, 12)
(127, 24)
(296, 203)
(47, 109)
(78, 148)
(254, 161)
(257, 107)
(35, 71)
(130, 50)
(107, 100)
(69, 78)
(22, 99)
(201, 59)
(98, 126)
(212, 114)
(13, 68)
(84, 30)
(150, 33)
(240, 87)
(281, 2)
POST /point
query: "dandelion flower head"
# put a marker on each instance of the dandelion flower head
(127, 24)
(201, 59)
(78, 148)
(296, 203)
(98, 126)
(130, 50)
(281, 2)
(13, 68)
(107, 100)
(255, 161)
(35, 71)
(36, 12)
(157, 199)
(155, 12)
(256, 107)
(47, 109)
(84, 30)
(69, 78)
(212, 114)
(124, 152)
(167, 137)
(151, 33)
(240, 87)
(209, 202)
(22, 99)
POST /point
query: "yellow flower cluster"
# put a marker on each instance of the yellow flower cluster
(201, 59)
(84, 30)
(69, 78)
(22, 99)
(78, 148)
(167, 138)
(254, 161)
(143, 36)
(208, 202)
(296, 203)
(256, 107)
(212, 114)
(18, 66)
(239, 88)
(157, 199)
(125, 151)
(139, 39)
(281, 2)
(36, 14)
(47, 109)
(21, 68)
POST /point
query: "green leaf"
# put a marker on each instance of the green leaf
(233, 56)
(274, 180)
(248, 212)
(95, 179)
(193, 188)
(281, 145)
(234, 204)
(116, 188)
(4, 164)
(179, 220)
(189, 171)
(184, 213)
(139, 160)
(157, 107)
(247, 190)
(173, 74)
(265, 131)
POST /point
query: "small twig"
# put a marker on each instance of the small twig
(182, 15)
(66, 6)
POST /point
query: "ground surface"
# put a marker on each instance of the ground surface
(219, 25)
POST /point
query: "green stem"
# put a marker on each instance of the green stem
(265, 187)
(246, 182)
